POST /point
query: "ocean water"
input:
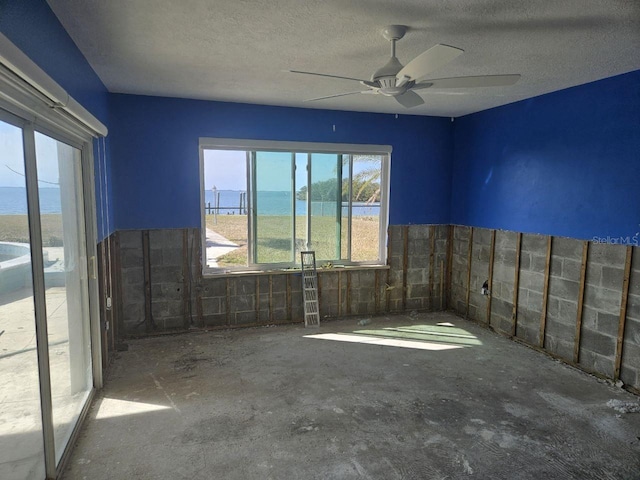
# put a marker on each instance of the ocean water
(279, 203)
(13, 200)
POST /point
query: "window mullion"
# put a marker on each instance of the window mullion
(293, 207)
(309, 201)
(349, 208)
(252, 225)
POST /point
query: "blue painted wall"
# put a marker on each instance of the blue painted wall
(156, 164)
(33, 27)
(566, 163)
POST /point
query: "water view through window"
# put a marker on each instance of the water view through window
(265, 207)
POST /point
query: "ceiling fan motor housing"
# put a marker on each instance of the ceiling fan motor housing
(386, 78)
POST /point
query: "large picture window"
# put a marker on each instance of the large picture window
(264, 203)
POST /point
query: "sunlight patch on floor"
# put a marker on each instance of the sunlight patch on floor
(387, 342)
(113, 407)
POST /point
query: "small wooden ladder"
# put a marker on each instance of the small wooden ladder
(310, 289)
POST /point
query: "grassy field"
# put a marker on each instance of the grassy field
(274, 244)
(15, 228)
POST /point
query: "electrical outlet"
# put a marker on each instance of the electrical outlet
(108, 302)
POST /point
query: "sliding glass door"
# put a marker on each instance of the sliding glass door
(21, 443)
(66, 294)
(45, 318)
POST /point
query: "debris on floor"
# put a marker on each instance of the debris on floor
(364, 321)
(624, 407)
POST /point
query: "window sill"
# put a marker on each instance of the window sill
(284, 271)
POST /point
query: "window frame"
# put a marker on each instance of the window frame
(247, 145)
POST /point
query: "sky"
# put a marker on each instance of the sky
(12, 158)
(227, 169)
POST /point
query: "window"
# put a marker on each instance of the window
(265, 202)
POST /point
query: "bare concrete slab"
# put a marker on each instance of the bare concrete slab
(402, 397)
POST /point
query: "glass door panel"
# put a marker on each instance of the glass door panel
(21, 444)
(66, 282)
(326, 200)
(301, 204)
(273, 221)
(365, 207)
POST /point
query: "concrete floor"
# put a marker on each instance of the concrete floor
(295, 403)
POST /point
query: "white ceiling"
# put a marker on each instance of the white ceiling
(238, 50)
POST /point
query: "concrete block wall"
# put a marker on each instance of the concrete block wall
(572, 310)
(564, 288)
(501, 287)
(531, 287)
(601, 310)
(630, 367)
(459, 267)
(159, 277)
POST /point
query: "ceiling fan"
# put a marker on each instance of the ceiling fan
(398, 81)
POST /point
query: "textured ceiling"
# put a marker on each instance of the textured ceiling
(238, 50)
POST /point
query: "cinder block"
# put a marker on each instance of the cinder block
(633, 307)
(532, 281)
(612, 278)
(166, 291)
(215, 320)
(130, 239)
(132, 276)
(501, 308)
(418, 232)
(602, 299)
(560, 331)
(571, 269)
(556, 266)
(211, 306)
(243, 286)
(172, 256)
(242, 303)
(244, 318)
(131, 257)
(589, 318)
(607, 254)
(562, 288)
(172, 323)
(566, 248)
(568, 311)
(596, 342)
(505, 240)
(279, 283)
(166, 274)
(608, 324)
(417, 291)
(560, 347)
(597, 363)
(418, 261)
(538, 263)
(461, 233)
(482, 236)
(630, 376)
(214, 287)
(525, 261)
(534, 243)
(553, 307)
(594, 274)
(534, 302)
(165, 309)
(506, 257)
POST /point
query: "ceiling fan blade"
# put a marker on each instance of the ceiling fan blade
(471, 82)
(334, 96)
(327, 75)
(409, 99)
(428, 61)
